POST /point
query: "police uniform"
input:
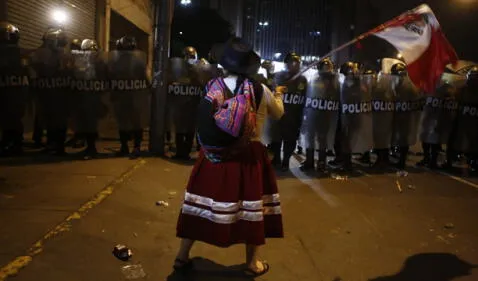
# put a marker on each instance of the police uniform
(14, 89)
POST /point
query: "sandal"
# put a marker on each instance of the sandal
(182, 265)
(251, 273)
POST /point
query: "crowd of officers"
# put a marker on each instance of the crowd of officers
(336, 112)
(70, 82)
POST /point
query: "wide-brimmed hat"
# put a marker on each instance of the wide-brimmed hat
(237, 56)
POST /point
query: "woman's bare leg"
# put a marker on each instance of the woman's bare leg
(184, 249)
(252, 258)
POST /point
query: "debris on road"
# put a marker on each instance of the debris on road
(162, 203)
(122, 252)
(135, 234)
(339, 177)
(451, 235)
(172, 194)
(412, 187)
(402, 173)
(449, 226)
(133, 271)
(399, 187)
(167, 170)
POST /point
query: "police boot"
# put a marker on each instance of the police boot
(382, 159)
(276, 149)
(288, 151)
(60, 138)
(321, 166)
(402, 157)
(124, 138)
(365, 159)
(137, 138)
(308, 164)
(90, 151)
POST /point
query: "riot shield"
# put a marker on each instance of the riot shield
(129, 87)
(321, 112)
(408, 107)
(288, 127)
(356, 116)
(465, 133)
(438, 116)
(52, 70)
(14, 86)
(89, 84)
(184, 93)
(382, 112)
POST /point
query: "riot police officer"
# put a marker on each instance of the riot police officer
(464, 136)
(439, 114)
(185, 88)
(354, 130)
(408, 107)
(52, 69)
(14, 89)
(286, 131)
(89, 86)
(129, 88)
(77, 141)
(382, 118)
(320, 115)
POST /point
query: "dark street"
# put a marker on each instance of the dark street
(65, 226)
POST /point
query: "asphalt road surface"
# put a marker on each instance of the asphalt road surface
(61, 218)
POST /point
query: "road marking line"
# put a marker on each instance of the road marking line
(13, 267)
(314, 185)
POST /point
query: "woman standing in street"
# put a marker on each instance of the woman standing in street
(232, 195)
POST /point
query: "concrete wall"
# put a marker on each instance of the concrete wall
(138, 12)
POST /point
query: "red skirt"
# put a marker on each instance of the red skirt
(232, 202)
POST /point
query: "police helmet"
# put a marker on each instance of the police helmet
(369, 71)
(472, 74)
(190, 53)
(126, 43)
(325, 65)
(349, 68)
(55, 37)
(75, 44)
(399, 69)
(10, 33)
(89, 45)
(292, 57)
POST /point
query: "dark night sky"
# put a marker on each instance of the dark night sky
(458, 18)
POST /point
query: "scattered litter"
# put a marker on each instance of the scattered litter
(122, 252)
(439, 237)
(172, 194)
(399, 187)
(133, 271)
(431, 229)
(412, 187)
(167, 170)
(348, 232)
(162, 203)
(451, 235)
(449, 226)
(91, 177)
(102, 231)
(135, 234)
(402, 173)
(339, 177)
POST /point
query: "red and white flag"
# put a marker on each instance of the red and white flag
(418, 37)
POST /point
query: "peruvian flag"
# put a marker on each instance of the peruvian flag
(418, 37)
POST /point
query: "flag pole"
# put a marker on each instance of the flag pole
(405, 17)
